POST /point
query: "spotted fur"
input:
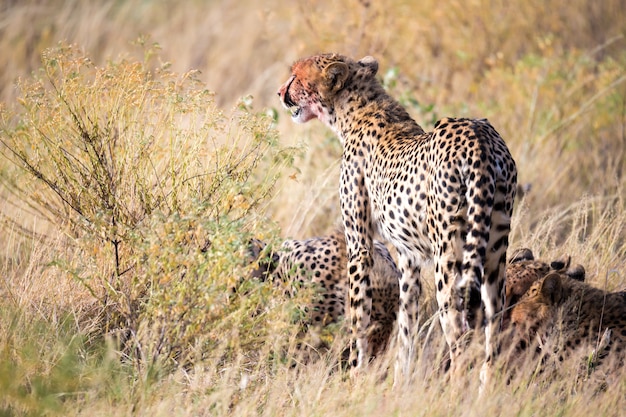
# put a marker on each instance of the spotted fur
(523, 270)
(560, 317)
(445, 195)
(321, 261)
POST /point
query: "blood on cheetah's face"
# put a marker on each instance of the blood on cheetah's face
(316, 81)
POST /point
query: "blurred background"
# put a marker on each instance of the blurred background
(549, 75)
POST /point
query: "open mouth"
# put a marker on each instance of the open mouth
(291, 106)
(295, 111)
(289, 103)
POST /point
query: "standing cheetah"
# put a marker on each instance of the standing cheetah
(446, 195)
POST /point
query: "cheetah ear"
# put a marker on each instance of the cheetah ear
(576, 272)
(255, 247)
(335, 75)
(522, 254)
(266, 265)
(369, 65)
(561, 263)
(552, 288)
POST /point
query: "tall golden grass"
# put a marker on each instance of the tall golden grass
(183, 333)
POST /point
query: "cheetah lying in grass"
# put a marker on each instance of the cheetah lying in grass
(560, 318)
(322, 262)
(523, 270)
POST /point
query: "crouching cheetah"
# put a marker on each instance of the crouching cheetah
(560, 316)
(322, 262)
(446, 195)
(523, 270)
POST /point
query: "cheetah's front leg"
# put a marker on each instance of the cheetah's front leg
(357, 225)
(359, 267)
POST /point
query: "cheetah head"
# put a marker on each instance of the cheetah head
(267, 263)
(523, 270)
(538, 305)
(317, 81)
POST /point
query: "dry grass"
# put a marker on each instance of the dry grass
(551, 77)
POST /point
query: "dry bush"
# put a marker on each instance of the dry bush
(154, 191)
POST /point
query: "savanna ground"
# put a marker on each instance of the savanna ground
(142, 146)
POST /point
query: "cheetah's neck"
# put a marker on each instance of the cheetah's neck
(369, 115)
